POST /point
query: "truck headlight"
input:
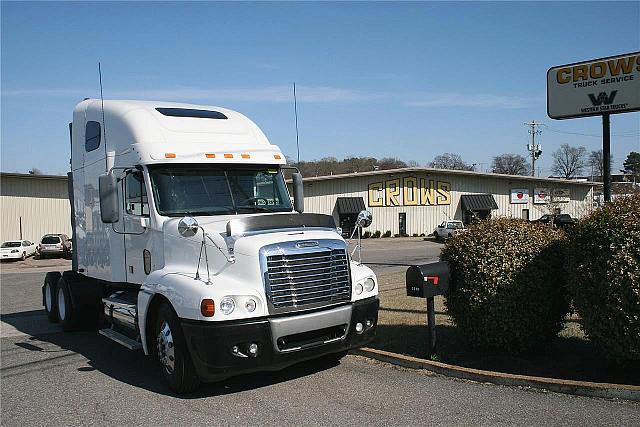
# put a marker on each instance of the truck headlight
(250, 305)
(227, 305)
(358, 288)
(369, 284)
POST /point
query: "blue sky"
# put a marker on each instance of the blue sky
(406, 80)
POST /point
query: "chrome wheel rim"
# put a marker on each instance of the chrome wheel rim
(166, 349)
(47, 296)
(62, 309)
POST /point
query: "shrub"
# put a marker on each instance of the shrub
(415, 234)
(604, 278)
(387, 233)
(508, 284)
(422, 235)
(376, 235)
(366, 235)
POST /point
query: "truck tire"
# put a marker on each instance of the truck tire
(436, 236)
(24, 256)
(67, 315)
(172, 353)
(49, 296)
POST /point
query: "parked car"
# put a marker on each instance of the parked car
(449, 229)
(17, 249)
(56, 245)
(558, 220)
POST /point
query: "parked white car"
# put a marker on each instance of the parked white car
(448, 229)
(17, 249)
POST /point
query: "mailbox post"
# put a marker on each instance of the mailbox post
(427, 281)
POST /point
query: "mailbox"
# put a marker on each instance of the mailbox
(428, 280)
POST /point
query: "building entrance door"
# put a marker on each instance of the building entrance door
(402, 223)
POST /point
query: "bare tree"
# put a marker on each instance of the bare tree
(391, 163)
(596, 163)
(35, 171)
(568, 161)
(510, 164)
(450, 161)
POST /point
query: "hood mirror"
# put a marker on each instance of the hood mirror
(364, 219)
(188, 226)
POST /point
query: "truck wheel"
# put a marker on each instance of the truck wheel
(24, 256)
(67, 316)
(435, 234)
(49, 296)
(171, 350)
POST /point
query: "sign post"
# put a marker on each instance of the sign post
(599, 87)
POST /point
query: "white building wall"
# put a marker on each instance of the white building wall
(42, 204)
(321, 195)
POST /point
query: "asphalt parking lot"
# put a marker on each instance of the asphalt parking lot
(55, 378)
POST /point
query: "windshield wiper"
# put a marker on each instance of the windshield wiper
(255, 208)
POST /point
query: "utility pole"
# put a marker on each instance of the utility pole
(535, 150)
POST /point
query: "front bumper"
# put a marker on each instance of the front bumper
(211, 345)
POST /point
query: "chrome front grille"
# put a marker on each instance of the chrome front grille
(297, 280)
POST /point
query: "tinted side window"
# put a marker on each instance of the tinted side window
(92, 136)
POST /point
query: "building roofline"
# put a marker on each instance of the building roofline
(32, 176)
(448, 171)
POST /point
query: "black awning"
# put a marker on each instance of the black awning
(350, 205)
(478, 202)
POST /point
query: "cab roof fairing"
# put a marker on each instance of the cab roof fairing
(138, 125)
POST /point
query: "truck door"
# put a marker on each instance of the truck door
(136, 221)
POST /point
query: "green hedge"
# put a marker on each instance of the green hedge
(604, 278)
(508, 288)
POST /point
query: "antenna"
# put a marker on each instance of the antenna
(295, 109)
(104, 129)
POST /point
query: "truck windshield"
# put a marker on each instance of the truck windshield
(195, 190)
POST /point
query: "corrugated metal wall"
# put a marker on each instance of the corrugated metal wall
(41, 203)
(321, 195)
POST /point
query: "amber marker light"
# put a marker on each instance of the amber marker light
(245, 156)
(228, 156)
(207, 308)
(210, 156)
(277, 156)
(169, 155)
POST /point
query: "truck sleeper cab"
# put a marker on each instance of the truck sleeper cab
(187, 246)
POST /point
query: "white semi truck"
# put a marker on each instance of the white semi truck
(187, 246)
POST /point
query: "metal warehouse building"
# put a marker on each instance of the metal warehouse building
(415, 200)
(403, 201)
(33, 205)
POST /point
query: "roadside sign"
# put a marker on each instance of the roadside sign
(601, 86)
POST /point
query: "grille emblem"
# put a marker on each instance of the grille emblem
(307, 244)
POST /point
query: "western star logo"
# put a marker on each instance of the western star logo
(602, 98)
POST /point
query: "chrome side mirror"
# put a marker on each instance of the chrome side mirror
(364, 219)
(188, 226)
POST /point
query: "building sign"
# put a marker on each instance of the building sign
(409, 191)
(561, 195)
(541, 196)
(520, 195)
(601, 86)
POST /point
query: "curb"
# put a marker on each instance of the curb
(579, 388)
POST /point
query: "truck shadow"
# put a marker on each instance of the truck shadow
(133, 367)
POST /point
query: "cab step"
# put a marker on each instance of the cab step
(121, 339)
